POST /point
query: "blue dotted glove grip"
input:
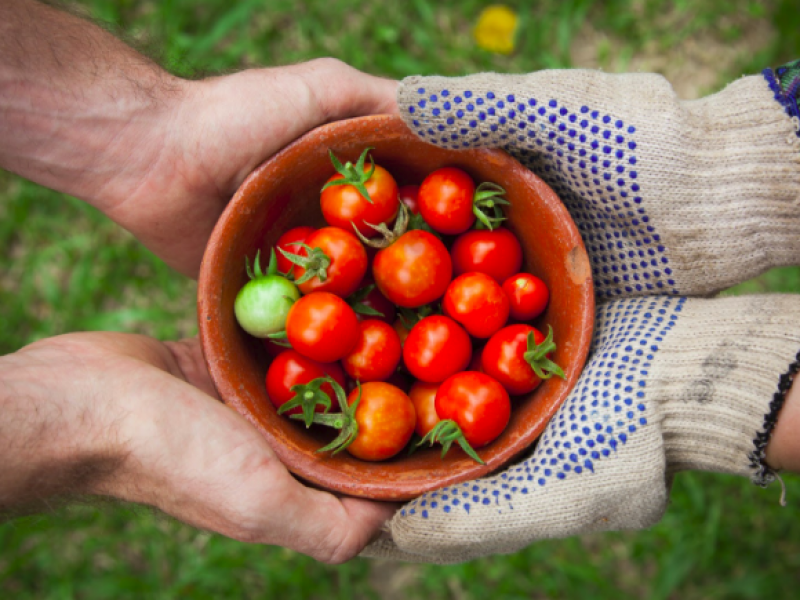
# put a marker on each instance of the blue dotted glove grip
(588, 158)
(607, 408)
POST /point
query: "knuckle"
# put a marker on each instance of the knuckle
(329, 63)
(338, 547)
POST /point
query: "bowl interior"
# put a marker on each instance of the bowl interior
(283, 193)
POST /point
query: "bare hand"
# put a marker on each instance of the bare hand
(129, 417)
(219, 131)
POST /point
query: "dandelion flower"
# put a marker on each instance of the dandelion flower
(495, 30)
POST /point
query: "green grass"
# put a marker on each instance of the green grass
(66, 268)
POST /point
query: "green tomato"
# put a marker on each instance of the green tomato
(263, 303)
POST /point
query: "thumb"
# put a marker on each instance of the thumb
(339, 91)
(251, 115)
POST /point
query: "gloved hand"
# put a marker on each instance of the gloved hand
(670, 196)
(674, 198)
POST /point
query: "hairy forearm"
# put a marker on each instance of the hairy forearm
(80, 111)
(50, 446)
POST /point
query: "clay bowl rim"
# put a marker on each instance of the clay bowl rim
(339, 473)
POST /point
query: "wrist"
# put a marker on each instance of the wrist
(101, 149)
(783, 447)
(128, 152)
(57, 438)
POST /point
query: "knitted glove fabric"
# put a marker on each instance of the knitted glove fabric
(672, 384)
(670, 196)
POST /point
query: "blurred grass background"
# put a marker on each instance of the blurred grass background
(66, 268)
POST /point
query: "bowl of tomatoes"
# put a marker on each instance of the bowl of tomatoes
(366, 339)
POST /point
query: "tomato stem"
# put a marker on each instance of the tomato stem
(307, 397)
(446, 432)
(315, 263)
(256, 271)
(344, 421)
(387, 237)
(536, 356)
(353, 174)
(487, 205)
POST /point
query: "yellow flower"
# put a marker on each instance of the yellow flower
(495, 30)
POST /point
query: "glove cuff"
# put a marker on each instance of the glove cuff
(721, 382)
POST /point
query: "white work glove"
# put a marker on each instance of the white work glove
(672, 198)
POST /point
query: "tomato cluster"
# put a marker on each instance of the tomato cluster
(422, 327)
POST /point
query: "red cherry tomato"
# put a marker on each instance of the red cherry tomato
(288, 242)
(292, 368)
(322, 326)
(377, 353)
(527, 295)
(386, 420)
(344, 206)
(436, 347)
(477, 302)
(496, 253)
(504, 358)
(348, 262)
(414, 270)
(409, 195)
(477, 403)
(446, 199)
(423, 395)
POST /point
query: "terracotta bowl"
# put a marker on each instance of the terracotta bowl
(283, 193)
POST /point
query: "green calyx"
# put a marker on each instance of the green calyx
(536, 356)
(416, 221)
(307, 396)
(446, 432)
(388, 236)
(410, 317)
(280, 338)
(354, 175)
(356, 302)
(315, 263)
(256, 272)
(487, 205)
(344, 421)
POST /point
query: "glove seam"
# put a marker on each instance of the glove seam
(764, 474)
